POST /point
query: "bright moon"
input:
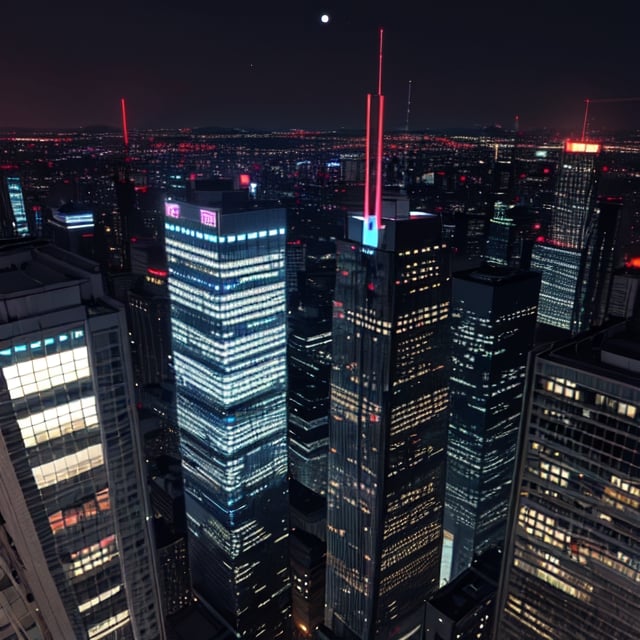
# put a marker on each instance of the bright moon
(324, 18)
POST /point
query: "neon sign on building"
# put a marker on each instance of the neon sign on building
(209, 218)
(172, 210)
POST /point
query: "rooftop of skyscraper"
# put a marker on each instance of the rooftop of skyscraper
(613, 350)
(471, 588)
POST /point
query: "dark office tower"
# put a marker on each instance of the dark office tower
(601, 259)
(74, 516)
(309, 358)
(624, 298)
(493, 320)
(123, 217)
(13, 215)
(500, 236)
(150, 329)
(572, 558)
(388, 427)
(563, 257)
(71, 227)
(464, 609)
(173, 568)
(512, 233)
(309, 371)
(228, 317)
(308, 554)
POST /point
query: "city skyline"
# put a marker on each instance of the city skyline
(243, 263)
(271, 67)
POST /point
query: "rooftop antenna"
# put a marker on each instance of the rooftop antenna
(588, 101)
(586, 118)
(373, 223)
(406, 126)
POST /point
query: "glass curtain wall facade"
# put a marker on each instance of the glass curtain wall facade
(228, 317)
(13, 214)
(72, 501)
(563, 257)
(388, 428)
(493, 325)
(572, 562)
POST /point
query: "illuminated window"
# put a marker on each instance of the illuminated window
(68, 466)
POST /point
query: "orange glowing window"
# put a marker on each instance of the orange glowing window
(633, 262)
(581, 147)
(60, 520)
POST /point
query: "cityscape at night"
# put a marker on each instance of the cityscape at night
(319, 322)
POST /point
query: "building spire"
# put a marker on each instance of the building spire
(372, 223)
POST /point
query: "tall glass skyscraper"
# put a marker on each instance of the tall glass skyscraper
(228, 317)
(493, 325)
(13, 214)
(76, 559)
(388, 427)
(563, 258)
(572, 558)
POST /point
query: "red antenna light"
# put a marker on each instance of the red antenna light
(125, 131)
(380, 65)
(367, 162)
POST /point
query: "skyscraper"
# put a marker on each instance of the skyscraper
(388, 412)
(493, 324)
(75, 542)
(564, 257)
(388, 428)
(13, 215)
(228, 308)
(572, 558)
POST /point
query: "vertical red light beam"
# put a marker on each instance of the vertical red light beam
(378, 209)
(378, 202)
(586, 116)
(125, 131)
(367, 162)
(380, 65)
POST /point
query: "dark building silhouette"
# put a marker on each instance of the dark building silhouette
(388, 424)
(493, 320)
(512, 233)
(71, 227)
(464, 609)
(307, 553)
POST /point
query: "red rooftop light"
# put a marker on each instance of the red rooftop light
(160, 273)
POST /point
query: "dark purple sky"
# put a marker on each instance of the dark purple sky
(275, 65)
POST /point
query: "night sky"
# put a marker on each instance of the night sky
(271, 65)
